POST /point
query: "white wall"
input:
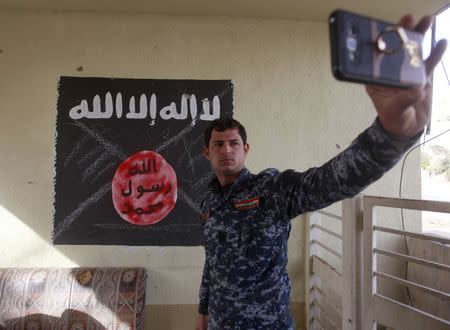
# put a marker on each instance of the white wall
(297, 116)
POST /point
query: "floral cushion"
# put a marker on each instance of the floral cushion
(72, 298)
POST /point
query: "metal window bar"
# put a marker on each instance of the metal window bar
(423, 288)
(416, 260)
(377, 307)
(333, 304)
(326, 315)
(330, 215)
(334, 318)
(403, 317)
(328, 231)
(311, 225)
(412, 234)
(326, 248)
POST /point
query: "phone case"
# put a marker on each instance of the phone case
(371, 51)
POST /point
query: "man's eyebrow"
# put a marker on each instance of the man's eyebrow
(223, 140)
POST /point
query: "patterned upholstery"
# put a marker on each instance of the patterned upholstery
(72, 298)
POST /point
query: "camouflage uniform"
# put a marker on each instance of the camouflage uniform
(245, 284)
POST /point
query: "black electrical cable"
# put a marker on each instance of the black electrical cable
(445, 72)
(433, 37)
(433, 44)
(401, 210)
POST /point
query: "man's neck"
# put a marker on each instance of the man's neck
(226, 180)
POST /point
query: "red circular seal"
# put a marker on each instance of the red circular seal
(144, 188)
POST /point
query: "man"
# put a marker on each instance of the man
(246, 217)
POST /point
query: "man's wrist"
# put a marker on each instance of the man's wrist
(400, 143)
(402, 135)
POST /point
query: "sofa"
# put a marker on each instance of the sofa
(72, 298)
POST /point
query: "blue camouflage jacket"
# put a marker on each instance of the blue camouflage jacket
(245, 284)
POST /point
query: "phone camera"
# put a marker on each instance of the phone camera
(352, 44)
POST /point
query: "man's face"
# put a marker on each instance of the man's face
(226, 153)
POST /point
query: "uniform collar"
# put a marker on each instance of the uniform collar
(243, 177)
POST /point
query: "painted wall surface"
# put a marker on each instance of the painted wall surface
(296, 114)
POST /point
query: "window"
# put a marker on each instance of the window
(435, 155)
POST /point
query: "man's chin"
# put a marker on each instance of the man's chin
(229, 170)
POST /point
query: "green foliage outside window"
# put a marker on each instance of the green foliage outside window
(435, 160)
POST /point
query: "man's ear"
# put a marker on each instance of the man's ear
(246, 148)
(206, 152)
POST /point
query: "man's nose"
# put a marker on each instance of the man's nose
(226, 148)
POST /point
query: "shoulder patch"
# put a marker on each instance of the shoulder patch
(247, 204)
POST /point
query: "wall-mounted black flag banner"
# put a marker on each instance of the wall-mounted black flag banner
(129, 167)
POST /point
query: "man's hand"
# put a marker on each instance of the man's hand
(202, 322)
(405, 112)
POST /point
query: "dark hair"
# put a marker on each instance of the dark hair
(222, 124)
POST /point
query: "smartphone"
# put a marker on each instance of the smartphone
(370, 51)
